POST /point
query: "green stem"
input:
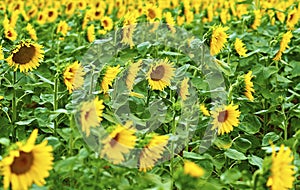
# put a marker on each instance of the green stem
(255, 178)
(55, 102)
(172, 147)
(14, 107)
(72, 124)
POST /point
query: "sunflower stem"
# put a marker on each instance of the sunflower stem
(172, 147)
(55, 103)
(14, 108)
(72, 124)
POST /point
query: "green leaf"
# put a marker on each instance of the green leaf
(242, 144)
(231, 175)
(25, 122)
(256, 161)
(235, 155)
(195, 156)
(250, 124)
(269, 137)
(4, 141)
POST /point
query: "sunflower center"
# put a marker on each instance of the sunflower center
(158, 73)
(114, 140)
(22, 164)
(151, 13)
(105, 23)
(50, 13)
(9, 34)
(223, 115)
(24, 55)
(69, 7)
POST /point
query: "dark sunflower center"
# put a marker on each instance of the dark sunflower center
(9, 34)
(50, 13)
(24, 55)
(151, 13)
(158, 73)
(114, 141)
(223, 115)
(22, 164)
(105, 23)
(69, 7)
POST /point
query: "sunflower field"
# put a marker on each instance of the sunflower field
(150, 95)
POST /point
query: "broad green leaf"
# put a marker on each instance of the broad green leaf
(269, 137)
(231, 176)
(256, 161)
(25, 122)
(235, 155)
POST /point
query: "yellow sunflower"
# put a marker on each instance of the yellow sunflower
(240, 47)
(70, 7)
(249, 86)
(257, 20)
(132, 73)
(128, 28)
(184, 89)
(152, 12)
(73, 76)
(90, 114)
(110, 75)
(218, 39)
(27, 164)
(91, 33)
(118, 143)
(282, 169)
(192, 169)
(31, 31)
(170, 21)
(286, 38)
(292, 19)
(51, 14)
(204, 110)
(1, 54)
(41, 18)
(62, 28)
(32, 11)
(152, 152)
(107, 23)
(160, 75)
(26, 56)
(10, 33)
(225, 117)
(180, 20)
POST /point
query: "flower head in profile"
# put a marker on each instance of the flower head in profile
(282, 169)
(249, 86)
(132, 73)
(218, 39)
(240, 47)
(91, 114)
(225, 118)
(118, 143)
(129, 25)
(152, 152)
(91, 33)
(26, 56)
(204, 110)
(110, 75)
(286, 38)
(26, 164)
(184, 89)
(62, 28)
(31, 31)
(73, 76)
(192, 169)
(170, 22)
(257, 19)
(160, 75)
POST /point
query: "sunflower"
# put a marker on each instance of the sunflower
(91, 33)
(110, 75)
(193, 169)
(107, 23)
(10, 33)
(225, 117)
(62, 28)
(204, 110)
(128, 28)
(286, 38)
(82, 5)
(51, 14)
(26, 56)
(218, 39)
(152, 12)
(32, 11)
(249, 86)
(282, 169)
(257, 20)
(152, 152)
(1, 54)
(132, 73)
(73, 76)
(184, 89)
(70, 7)
(160, 75)
(87, 18)
(118, 143)
(27, 164)
(41, 18)
(292, 19)
(31, 31)
(170, 21)
(90, 114)
(240, 47)
(180, 20)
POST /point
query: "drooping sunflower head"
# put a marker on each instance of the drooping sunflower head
(249, 86)
(26, 164)
(193, 169)
(225, 118)
(218, 39)
(240, 47)
(160, 75)
(73, 76)
(26, 56)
